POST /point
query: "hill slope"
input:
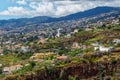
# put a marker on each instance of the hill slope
(12, 23)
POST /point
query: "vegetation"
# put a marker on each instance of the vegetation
(80, 61)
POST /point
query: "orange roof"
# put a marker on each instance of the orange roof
(62, 57)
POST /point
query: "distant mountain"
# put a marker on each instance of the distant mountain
(90, 13)
(25, 21)
(14, 23)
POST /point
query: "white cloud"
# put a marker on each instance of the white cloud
(56, 8)
(15, 11)
(21, 2)
(62, 8)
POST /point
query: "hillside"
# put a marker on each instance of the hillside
(81, 61)
(90, 13)
(14, 23)
(84, 45)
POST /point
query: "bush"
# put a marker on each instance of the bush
(72, 78)
(75, 52)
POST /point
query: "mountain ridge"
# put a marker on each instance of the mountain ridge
(45, 19)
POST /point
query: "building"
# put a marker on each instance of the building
(42, 55)
(83, 47)
(76, 31)
(8, 70)
(95, 44)
(43, 40)
(88, 28)
(103, 49)
(1, 51)
(75, 45)
(1, 65)
(25, 49)
(38, 60)
(117, 41)
(58, 33)
(68, 36)
(62, 58)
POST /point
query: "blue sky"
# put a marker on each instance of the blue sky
(53, 8)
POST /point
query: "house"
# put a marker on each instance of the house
(1, 65)
(8, 70)
(79, 55)
(42, 55)
(103, 49)
(96, 48)
(62, 58)
(117, 41)
(38, 60)
(75, 45)
(88, 29)
(43, 40)
(95, 44)
(1, 51)
(17, 45)
(27, 64)
(83, 47)
(25, 49)
(76, 31)
(68, 36)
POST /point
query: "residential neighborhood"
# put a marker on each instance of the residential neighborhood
(60, 40)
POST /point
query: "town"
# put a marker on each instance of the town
(97, 42)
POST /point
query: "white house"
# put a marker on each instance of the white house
(95, 44)
(68, 36)
(76, 31)
(25, 49)
(96, 48)
(103, 49)
(116, 41)
(1, 65)
(8, 70)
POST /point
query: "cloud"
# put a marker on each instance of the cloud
(63, 8)
(15, 11)
(56, 8)
(21, 2)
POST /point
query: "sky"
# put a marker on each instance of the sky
(53, 8)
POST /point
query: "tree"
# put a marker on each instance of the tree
(5, 50)
(32, 64)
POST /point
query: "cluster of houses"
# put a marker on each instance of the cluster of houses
(63, 57)
(98, 47)
(103, 49)
(76, 45)
(39, 57)
(42, 55)
(10, 69)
